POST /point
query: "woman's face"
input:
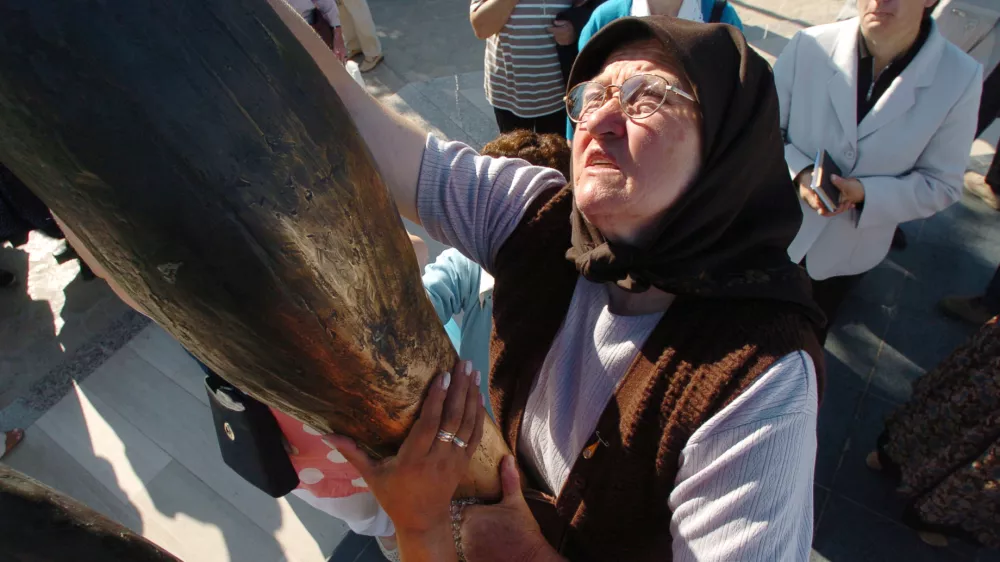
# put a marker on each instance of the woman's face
(628, 173)
(886, 20)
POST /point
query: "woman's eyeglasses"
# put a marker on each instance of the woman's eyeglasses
(639, 96)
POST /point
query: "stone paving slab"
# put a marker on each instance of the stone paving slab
(55, 328)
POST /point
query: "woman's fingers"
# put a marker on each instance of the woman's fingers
(425, 429)
(472, 407)
(510, 479)
(354, 455)
(811, 199)
(454, 403)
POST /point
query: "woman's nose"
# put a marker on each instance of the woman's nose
(607, 120)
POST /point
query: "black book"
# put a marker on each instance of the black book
(823, 168)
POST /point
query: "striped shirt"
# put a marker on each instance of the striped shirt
(523, 75)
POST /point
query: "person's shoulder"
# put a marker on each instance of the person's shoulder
(461, 262)
(732, 17)
(787, 388)
(819, 40)
(610, 11)
(729, 14)
(954, 60)
(829, 32)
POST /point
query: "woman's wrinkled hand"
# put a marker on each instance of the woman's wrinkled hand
(851, 189)
(415, 487)
(505, 531)
(803, 180)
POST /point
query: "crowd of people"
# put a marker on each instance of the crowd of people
(646, 264)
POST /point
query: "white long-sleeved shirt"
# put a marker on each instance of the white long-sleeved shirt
(744, 488)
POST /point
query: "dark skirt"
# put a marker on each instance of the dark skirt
(943, 445)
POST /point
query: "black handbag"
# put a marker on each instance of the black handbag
(249, 438)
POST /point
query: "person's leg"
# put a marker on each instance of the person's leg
(987, 188)
(991, 298)
(364, 29)
(975, 309)
(11, 440)
(553, 123)
(989, 102)
(347, 29)
(508, 122)
(829, 294)
(993, 175)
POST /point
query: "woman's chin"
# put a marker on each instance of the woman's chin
(597, 194)
(598, 212)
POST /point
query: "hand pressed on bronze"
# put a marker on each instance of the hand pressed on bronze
(416, 485)
(505, 531)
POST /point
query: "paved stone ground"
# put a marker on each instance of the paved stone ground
(890, 331)
(55, 328)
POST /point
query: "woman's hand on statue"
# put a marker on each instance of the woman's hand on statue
(415, 487)
(506, 530)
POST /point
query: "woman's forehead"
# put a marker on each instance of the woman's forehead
(646, 56)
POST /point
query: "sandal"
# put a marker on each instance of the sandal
(873, 461)
(11, 439)
(933, 539)
(392, 555)
(370, 63)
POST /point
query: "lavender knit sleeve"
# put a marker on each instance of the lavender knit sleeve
(474, 202)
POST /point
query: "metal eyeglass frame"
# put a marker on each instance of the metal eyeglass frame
(668, 89)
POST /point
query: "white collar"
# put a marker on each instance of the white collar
(690, 10)
(640, 8)
(485, 287)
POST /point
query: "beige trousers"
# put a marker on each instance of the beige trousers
(358, 27)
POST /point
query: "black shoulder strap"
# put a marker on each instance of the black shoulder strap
(717, 9)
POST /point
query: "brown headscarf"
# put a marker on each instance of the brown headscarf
(726, 236)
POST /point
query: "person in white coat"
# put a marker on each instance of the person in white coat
(895, 105)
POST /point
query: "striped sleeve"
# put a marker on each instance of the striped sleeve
(474, 202)
(745, 487)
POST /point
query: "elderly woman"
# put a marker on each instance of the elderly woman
(654, 364)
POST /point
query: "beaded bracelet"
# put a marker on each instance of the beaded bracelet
(456, 523)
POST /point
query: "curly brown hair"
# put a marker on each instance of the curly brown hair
(549, 150)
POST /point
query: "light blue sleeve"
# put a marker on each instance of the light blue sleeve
(452, 283)
(603, 15)
(473, 203)
(730, 16)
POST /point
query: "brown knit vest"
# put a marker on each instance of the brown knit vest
(701, 356)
